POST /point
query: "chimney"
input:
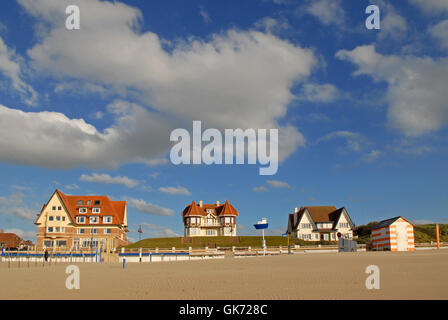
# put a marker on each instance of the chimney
(217, 203)
(200, 203)
(296, 210)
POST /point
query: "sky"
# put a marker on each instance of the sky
(361, 113)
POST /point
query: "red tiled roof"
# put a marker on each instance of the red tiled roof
(116, 209)
(318, 214)
(10, 240)
(194, 209)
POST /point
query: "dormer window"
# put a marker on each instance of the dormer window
(210, 211)
(107, 219)
(94, 219)
(97, 202)
(96, 210)
(80, 219)
(89, 202)
(82, 210)
(79, 203)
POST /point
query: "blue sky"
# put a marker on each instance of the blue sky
(361, 113)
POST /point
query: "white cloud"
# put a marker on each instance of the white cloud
(13, 205)
(278, 184)
(440, 32)
(72, 187)
(175, 190)
(51, 139)
(327, 12)
(105, 178)
(249, 73)
(205, 16)
(432, 6)
(354, 141)
(10, 68)
(260, 189)
(416, 91)
(371, 156)
(393, 25)
(156, 231)
(323, 93)
(145, 207)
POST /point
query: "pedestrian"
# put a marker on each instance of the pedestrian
(46, 255)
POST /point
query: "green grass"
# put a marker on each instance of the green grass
(200, 242)
(422, 233)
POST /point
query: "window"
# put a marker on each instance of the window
(57, 229)
(89, 202)
(50, 229)
(59, 208)
(210, 210)
(107, 231)
(96, 210)
(82, 210)
(58, 218)
(343, 225)
(53, 208)
(94, 231)
(48, 243)
(50, 218)
(107, 219)
(61, 243)
(210, 232)
(80, 219)
(97, 202)
(63, 218)
(306, 225)
(94, 219)
(81, 231)
(227, 231)
(62, 229)
(79, 203)
(194, 231)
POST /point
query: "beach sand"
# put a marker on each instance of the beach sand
(403, 275)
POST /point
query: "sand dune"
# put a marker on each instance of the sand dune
(413, 275)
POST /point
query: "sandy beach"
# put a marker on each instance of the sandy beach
(403, 275)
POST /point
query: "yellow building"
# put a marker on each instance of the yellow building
(81, 222)
(210, 220)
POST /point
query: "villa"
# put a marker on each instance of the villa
(81, 222)
(201, 220)
(320, 223)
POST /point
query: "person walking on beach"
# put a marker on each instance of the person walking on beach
(46, 255)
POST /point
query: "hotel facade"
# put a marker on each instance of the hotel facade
(209, 220)
(69, 222)
(320, 223)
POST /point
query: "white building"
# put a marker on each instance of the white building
(320, 223)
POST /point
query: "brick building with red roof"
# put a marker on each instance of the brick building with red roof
(202, 220)
(69, 222)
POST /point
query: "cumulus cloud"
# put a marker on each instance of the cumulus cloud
(176, 190)
(51, 139)
(149, 208)
(431, 7)
(393, 25)
(323, 93)
(371, 156)
(328, 12)
(105, 178)
(440, 32)
(416, 91)
(249, 73)
(11, 69)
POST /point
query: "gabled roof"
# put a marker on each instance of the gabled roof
(10, 240)
(386, 223)
(319, 214)
(116, 209)
(194, 209)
